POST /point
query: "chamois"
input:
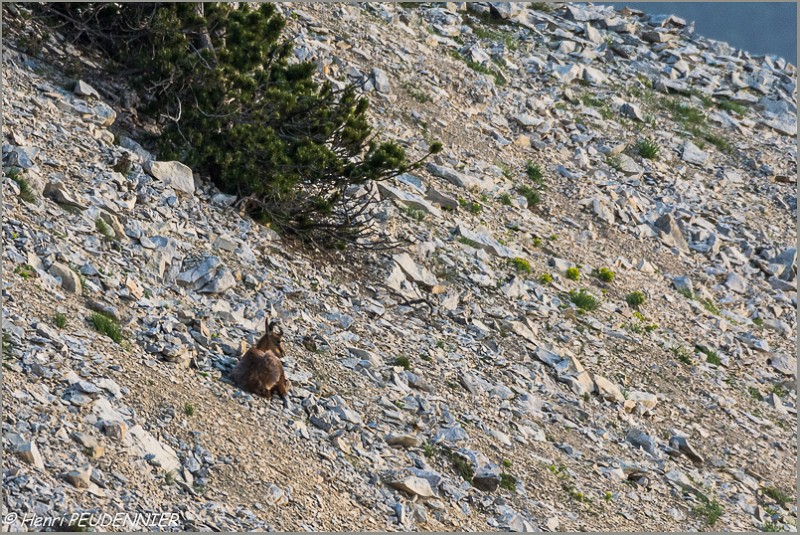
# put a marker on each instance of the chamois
(260, 370)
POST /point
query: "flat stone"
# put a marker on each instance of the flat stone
(416, 273)
(736, 283)
(682, 445)
(381, 81)
(608, 390)
(671, 233)
(174, 174)
(683, 285)
(158, 454)
(409, 200)
(693, 154)
(445, 201)
(487, 243)
(415, 486)
(457, 178)
(79, 478)
(56, 191)
(85, 90)
(402, 439)
(639, 438)
(487, 478)
(29, 452)
(69, 279)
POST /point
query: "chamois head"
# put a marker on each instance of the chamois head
(273, 337)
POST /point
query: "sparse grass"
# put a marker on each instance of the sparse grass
(755, 393)
(403, 361)
(416, 215)
(545, 278)
(710, 306)
(648, 149)
(686, 292)
(777, 495)
(583, 300)
(635, 299)
(573, 273)
(499, 79)
(188, 409)
(505, 199)
(25, 271)
(60, 320)
(608, 496)
(508, 482)
(711, 510)
(537, 241)
(507, 463)
(107, 326)
(484, 32)
(729, 105)
(461, 465)
(169, 477)
(521, 265)
(534, 173)
(779, 391)
(26, 192)
(575, 494)
(8, 346)
(544, 7)
(416, 93)
(770, 527)
(558, 470)
(599, 104)
(711, 356)
(531, 195)
(103, 228)
(470, 206)
(468, 242)
(758, 321)
(604, 274)
(683, 113)
(614, 162)
(683, 354)
(720, 142)
(429, 450)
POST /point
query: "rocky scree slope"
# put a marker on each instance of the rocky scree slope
(514, 401)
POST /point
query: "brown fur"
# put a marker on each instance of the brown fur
(260, 370)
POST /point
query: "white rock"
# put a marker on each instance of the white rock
(415, 486)
(174, 174)
(693, 154)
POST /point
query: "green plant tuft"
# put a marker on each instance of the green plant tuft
(583, 300)
(403, 362)
(573, 273)
(545, 278)
(648, 148)
(711, 356)
(470, 206)
(604, 274)
(107, 326)
(508, 482)
(711, 510)
(60, 320)
(777, 495)
(520, 264)
(635, 299)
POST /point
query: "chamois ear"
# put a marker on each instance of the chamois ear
(274, 327)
